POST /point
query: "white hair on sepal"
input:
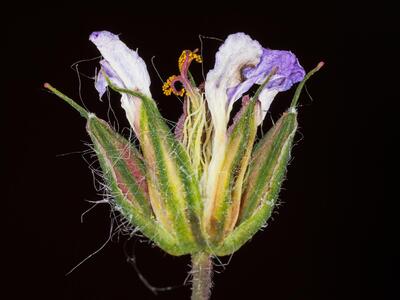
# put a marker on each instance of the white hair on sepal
(124, 225)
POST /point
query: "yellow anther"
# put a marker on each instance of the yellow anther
(180, 93)
(182, 59)
(169, 88)
(192, 56)
(197, 57)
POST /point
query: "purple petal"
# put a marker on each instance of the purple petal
(289, 71)
(101, 83)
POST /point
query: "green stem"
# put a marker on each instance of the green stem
(202, 274)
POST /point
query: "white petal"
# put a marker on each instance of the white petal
(126, 63)
(131, 106)
(266, 97)
(238, 51)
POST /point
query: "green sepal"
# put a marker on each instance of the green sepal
(173, 177)
(266, 173)
(117, 156)
(266, 159)
(173, 186)
(123, 162)
(230, 181)
(123, 170)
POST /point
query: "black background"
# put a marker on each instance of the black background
(326, 240)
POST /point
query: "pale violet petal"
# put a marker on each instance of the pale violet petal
(236, 92)
(101, 82)
(237, 52)
(127, 64)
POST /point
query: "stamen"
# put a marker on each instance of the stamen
(184, 62)
(169, 86)
(187, 57)
(182, 59)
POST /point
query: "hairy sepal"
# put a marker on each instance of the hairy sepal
(124, 173)
(173, 186)
(265, 175)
